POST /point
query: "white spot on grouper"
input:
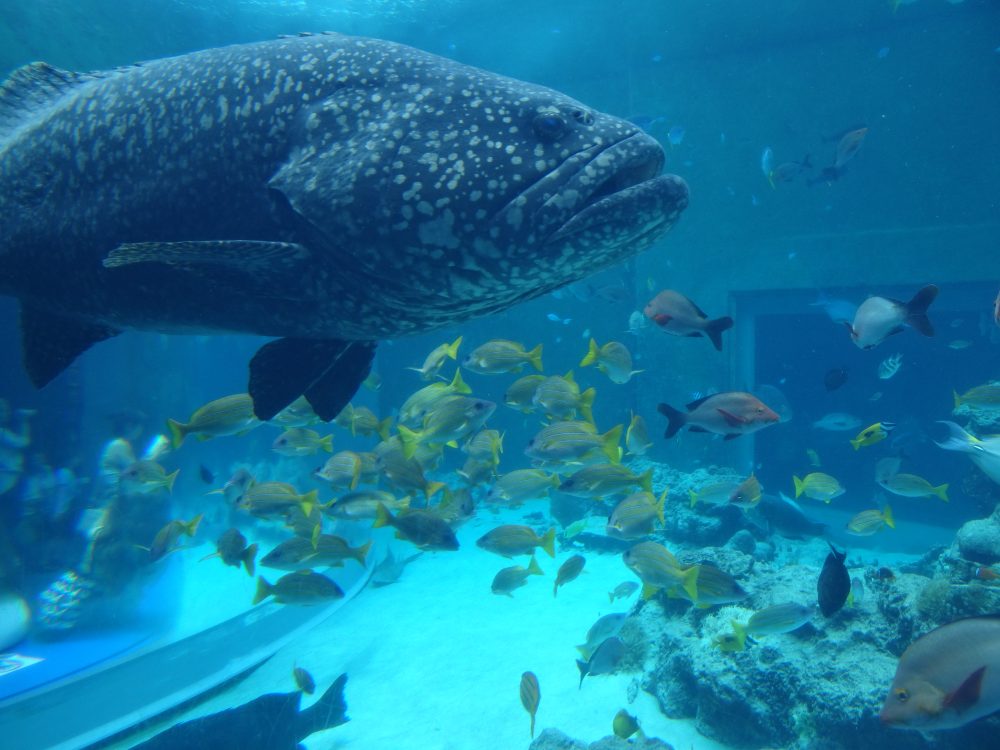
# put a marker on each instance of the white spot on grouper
(439, 231)
(223, 108)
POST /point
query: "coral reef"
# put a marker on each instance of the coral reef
(553, 739)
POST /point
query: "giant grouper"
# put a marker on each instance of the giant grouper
(324, 189)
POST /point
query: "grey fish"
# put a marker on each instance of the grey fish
(605, 659)
(270, 722)
(600, 631)
(264, 188)
(390, 569)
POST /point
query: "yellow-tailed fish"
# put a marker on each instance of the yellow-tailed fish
(657, 568)
(143, 477)
(613, 359)
(730, 642)
(500, 355)
(911, 485)
(531, 696)
(342, 469)
(715, 493)
(299, 413)
(232, 549)
(229, 415)
(637, 440)
(560, 398)
(300, 587)
(166, 538)
(359, 505)
(414, 408)
(872, 434)
(361, 420)
(869, 522)
(605, 479)
(303, 680)
(776, 619)
(713, 586)
(476, 471)
(438, 356)
(514, 577)
(634, 516)
(624, 725)
(485, 444)
(299, 553)
(511, 540)
(273, 499)
(450, 419)
(300, 441)
(572, 441)
(623, 591)
(405, 474)
(519, 486)
(818, 486)
(813, 457)
(521, 393)
(568, 571)
(981, 397)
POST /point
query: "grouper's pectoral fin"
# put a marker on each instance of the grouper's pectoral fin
(252, 256)
(327, 372)
(51, 342)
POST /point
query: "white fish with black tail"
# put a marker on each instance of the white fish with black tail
(880, 317)
(329, 190)
(947, 678)
(985, 453)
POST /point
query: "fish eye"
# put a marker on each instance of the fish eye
(549, 126)
(760, 410)
(902, 695)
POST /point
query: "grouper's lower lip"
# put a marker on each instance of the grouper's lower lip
(649, 207)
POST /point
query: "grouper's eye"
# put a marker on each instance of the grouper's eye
(902, 695)
(549, 126)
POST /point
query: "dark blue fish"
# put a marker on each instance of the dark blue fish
(835, 378)
(205, 474)
(324, 189)
(270, 722)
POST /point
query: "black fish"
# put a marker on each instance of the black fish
(834, 583)
(206, 474)
(835, 378)
(270, 722)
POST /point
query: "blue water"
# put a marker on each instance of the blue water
(715, 86)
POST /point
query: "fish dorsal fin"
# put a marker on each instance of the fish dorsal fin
(701, 313)
(698, 402)
(32, 89)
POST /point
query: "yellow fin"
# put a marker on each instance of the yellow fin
(410, 440)
(458, 385)
(799, 486)
(534, 568)
(382, 516)
(326, 443)
(609, 444)
(660, 503)
(649, 591)
(535, 357)
(178, 432)
(591, 356)
(740, 631)
(263, 590)
(452, 349)
(548, 542)
(887, 517)
(942, 492)
(690, 582)
(587, 404)
(169, 480)
(646, 481)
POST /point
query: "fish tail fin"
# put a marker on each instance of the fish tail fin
(649, 591)
(694, 497)
(361, 553)
(799, 486)
(329, 711)
(942, 492)
(404, 503)
(452, 349)
(958, 440)
(611, 598)
(714, 330)
(382, 516)
(410, 440)
(535, 357)
(191, 527)
(587, 404)
(458, 385)
(609, 443)
(383, 428)
(583, 667)
(534, 568)
(856, 444)
(591, 356)
(432, 488)
(675, 419)
(646, 480)
(740, 631)
(326, 443)
(168, 481)
(264, 590)
(661, 502)
(958, 399)
(690, 582)
(178, 431)
(249, 555)
(916, 309)
(887, 517)
(584, 651)
(548, 542)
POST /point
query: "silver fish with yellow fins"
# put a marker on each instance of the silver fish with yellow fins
(818, 486)
(500, 355)
(634, 516)
(657, 568)
(449, 420)
(613, 359)
(511, 540)
(519, 486)
(233, 550)
(436, 359)
(869, 522)
(145, 476)
(521, 393)
(301, 441)
(574, 441)
(560, 398)
(166, 538)
(605, 479)
(229, 415)
(637, 441)
(416, 406)
(947, 678)
(911, 485)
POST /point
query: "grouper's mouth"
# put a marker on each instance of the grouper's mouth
(613, 194)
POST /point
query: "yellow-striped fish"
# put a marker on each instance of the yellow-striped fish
(229, 415)
(560, 398)
(521, 393)
(613, 359)
(911, 485)
(531, 696)
(869, 522)
(818, 486)
(500, 355)
(438, 356)
(300, 441)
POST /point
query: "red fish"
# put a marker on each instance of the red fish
(679, 316)
(849, 146)
(987, 574)
(731, 414)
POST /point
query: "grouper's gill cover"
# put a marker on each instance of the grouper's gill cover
(325, 189)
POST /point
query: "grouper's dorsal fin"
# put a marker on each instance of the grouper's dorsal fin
(32, 89)
(51, 342)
